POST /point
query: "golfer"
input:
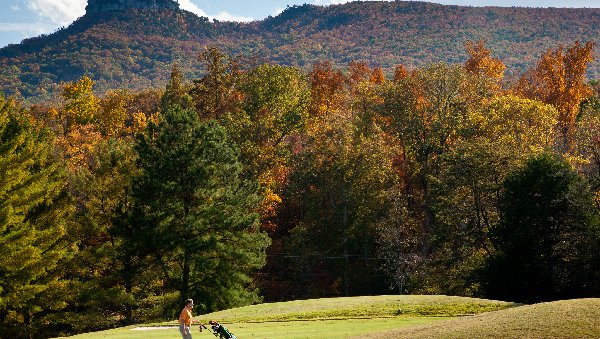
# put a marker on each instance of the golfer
(185, 320)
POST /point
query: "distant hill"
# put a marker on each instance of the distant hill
(133, 43)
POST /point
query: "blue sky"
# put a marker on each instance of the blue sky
(20, 19)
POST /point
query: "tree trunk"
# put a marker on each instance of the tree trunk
(27, 323)
(345, 240)
(185, 277)
(128, 277)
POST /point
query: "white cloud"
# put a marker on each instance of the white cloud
(61, 12)
(225, 16)
(188, 5)
(278, 11)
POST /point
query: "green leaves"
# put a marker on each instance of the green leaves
(339, 188)
(547, 234)
(275, 107)
(195, 212)
(35, 216)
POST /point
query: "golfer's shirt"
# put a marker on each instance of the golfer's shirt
(186, 317)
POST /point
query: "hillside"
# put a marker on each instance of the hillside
(133, 46)
(559, 319)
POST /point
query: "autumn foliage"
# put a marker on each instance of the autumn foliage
(559, 80)
(260, 182)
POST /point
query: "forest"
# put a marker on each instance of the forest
(263, 182)
(134, 49)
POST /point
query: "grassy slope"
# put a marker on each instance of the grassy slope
(359, 307)
(331, 318)
(560, 319)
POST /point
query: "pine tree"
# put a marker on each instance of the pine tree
(193, 215)
(34, 220)
(175, 91)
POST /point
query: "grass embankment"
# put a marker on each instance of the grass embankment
(560, 319)
(360, 307)
(320, 318)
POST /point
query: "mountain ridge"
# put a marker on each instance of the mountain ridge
(103, 6)
(135, 47)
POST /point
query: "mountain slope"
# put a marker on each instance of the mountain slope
(134, 47)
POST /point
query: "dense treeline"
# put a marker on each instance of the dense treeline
(265, 182)
(135, 48)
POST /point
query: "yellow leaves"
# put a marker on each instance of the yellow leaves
(268, 208)
(80, 103)
(112, 115)
(140, 121)
(521, 125)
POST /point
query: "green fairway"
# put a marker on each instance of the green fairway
(319, 318)
(292, 329)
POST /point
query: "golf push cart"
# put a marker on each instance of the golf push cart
(218, 330)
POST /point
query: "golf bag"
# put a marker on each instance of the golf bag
(219, 330)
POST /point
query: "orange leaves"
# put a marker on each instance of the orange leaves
(481, 63)
(559, 80)
(78, 145)
(400, 73)
(327, 86)
(377, 77)
(358, 71)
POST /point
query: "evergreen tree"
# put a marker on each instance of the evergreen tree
(34, 220)
(547, 236)
(107, 266)
(175, 91)
(193, 215)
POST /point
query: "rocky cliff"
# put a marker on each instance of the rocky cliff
(101, 6)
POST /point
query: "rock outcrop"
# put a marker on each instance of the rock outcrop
(102, 6)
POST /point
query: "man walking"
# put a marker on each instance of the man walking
(185, 320)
